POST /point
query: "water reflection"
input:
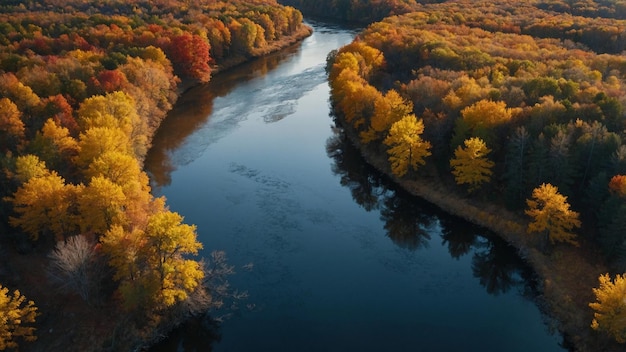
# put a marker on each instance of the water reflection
(459, 238)
(407, 225)
(498, 269)
(195, 335)
(362, 180)
(188, 115)
(409, 222)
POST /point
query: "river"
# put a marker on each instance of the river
(333, 257)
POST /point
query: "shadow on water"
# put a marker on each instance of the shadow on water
(194, 108)
(196, 335)
(408, 222)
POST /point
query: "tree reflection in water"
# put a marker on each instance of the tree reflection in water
(407, 225)
(410, 222)
(355, 174)
(498, 268)
(196, 335)
(459, 238)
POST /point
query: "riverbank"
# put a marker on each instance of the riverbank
(286, 41)
(68, 323)
(567, 274)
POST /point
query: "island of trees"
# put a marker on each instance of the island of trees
(510, 114)
(87, 254)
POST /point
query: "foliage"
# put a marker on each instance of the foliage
(470, 164)
(43, 205)
(83, 88)
(16, 313)
(407, 149)
(610, 307)
(150, 262)
(551, 214)
(541, 83)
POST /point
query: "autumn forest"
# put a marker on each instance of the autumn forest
(84, 86)
(517, 108)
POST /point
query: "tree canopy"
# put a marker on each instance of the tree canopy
(470, 164)
(17, 315)
(609, 307)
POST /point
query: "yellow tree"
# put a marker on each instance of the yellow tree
(115, 110)
(99, 140)
(11, 125)
(359, 57)
(479, 119)
(344, 61)
(470, 164)
(56, 146)
(150, 263)
(407, 149)
(551, 214)
(354, 97)
(101, 204)
(60, 137)
(124, 170)
(15, 313)
(29, 166)
(118, 167)
(610, 307)
(388, 109)
(123, 248)
(43, 204)
(167, 240)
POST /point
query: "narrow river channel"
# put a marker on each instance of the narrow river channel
(333, 256)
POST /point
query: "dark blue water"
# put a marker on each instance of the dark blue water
(333, 257)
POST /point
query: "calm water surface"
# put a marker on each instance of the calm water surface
(333, 257)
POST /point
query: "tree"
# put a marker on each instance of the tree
(125, 257)
(388, 109)
(115, 110)
(29, 166)
(480, 119)
(551, 215)
(43, 204)
(76, 266)
(15, 313)
(244, 33)
(470, 164)
(190, 54)
(96, 141)
(61, 111)
(112, 80)
(407, 148)
(167, 240)
(11, 125)
(618, 185)
(20, 94)
(55, 146)
(101, 204)
(150, 263)
(610, 307)
(119, 168)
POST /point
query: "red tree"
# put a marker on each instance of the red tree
(112, 80)
(190, 55)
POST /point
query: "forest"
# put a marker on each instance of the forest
(84, 85)
(515, 105)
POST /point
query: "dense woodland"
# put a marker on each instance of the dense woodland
(519, 104)
(83, 87)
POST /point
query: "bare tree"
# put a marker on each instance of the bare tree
(75, 266)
